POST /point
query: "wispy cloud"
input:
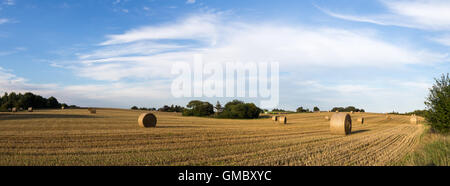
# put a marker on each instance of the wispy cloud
(9, 2)
(137, 53)
(4, 20)
(196, 27)
(443, 39)
(10, 82)
(190, 1)
(421, 14)
(116, 2)
(12, 51)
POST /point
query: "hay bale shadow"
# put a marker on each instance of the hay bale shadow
(359, 131)
(169, 127)
(44, 116)
(264, 117)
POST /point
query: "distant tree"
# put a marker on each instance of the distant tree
(73, 106)
(52, 102)
(218, 107)
(418, 113)
(65, 105)
(239, 110)
(198, 108)
(301, 110)
(347, 109)
(350, 109)
(438, 105)
(134, 108)
(171, 108)
(316, 109)
(27, 100)
(278, 110)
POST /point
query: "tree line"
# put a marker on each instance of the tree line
(347, 109)
(165, 108)
(28, 99)
(234, 109)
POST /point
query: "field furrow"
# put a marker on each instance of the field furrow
(112, 137)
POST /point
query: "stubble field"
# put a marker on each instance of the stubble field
(113, 137)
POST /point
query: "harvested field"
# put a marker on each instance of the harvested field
(112, 137)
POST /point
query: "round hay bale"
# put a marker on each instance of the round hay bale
(282, 120)
(20, 109)
(147, 120)
(327, 118)
(351, 112)
(388, 117)
(413, 120)
(341, 123)
(30, 109)
(62, 108)
(274, 118)
(361, 120)
(14, 109)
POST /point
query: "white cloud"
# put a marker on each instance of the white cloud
(3, 20)
(196, 27)
(9, 2)
(137, 48)
(146, 53)
(10, 82)
(443, 39)
(12, 51)
(422, 14)
(190, 1)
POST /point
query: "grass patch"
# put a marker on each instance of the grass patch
(433, 150)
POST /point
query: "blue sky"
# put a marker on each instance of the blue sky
(378, 55)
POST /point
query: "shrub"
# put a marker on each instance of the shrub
(172, 108)
(316, 109)
(239, 110)
(438, 105)
(301, 110)
(347, 109)
(198, 108)
(417, 112)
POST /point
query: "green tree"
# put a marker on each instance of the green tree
(198, 108)
(52, 102)
(316, 109)
(218, 107)
(27, 100)
(438, 105)
(239, 110)
(301, 110)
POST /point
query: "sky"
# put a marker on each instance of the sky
(378, 55)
